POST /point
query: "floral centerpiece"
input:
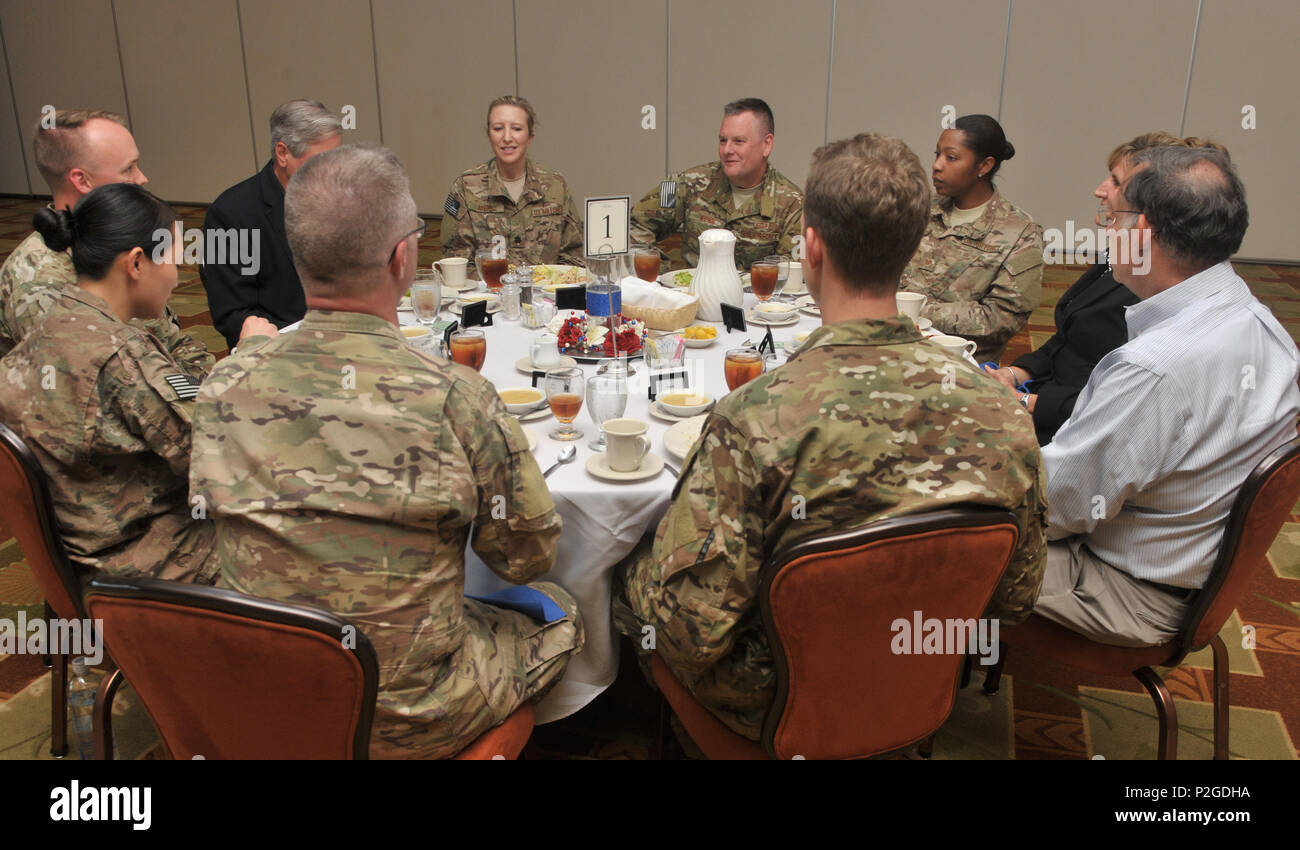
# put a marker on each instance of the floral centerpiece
(588, 335)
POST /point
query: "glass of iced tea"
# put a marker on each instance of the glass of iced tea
(469, 348)
(564, 393)
(647, 264)
(762, 277)
(742, 366)
(490, 268)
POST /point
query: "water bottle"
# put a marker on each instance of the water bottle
(81, 707)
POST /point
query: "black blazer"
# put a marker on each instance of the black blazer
(274, 292)
(1089, 325)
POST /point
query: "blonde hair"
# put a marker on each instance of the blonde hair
(1159, 139)
(58, 149)
(511, 100)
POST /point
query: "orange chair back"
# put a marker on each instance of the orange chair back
(229, 676)
(1264, 502)
(836, 607)
(29, 511)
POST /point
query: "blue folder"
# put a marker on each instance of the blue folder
(525, 600)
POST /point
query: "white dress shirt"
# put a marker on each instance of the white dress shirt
(1169, 426)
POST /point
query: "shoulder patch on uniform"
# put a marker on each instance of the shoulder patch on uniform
(452, 204)
(668, 194)
(186, 387)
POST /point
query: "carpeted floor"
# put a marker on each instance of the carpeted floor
(1042, 711)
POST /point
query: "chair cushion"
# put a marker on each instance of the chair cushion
(507, 740)
(708, 732)
(1052, 640)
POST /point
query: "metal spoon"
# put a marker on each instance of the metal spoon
(567, 454)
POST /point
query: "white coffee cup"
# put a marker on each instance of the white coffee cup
(956, 344)
(794, 280)
(910, 304)
(626, 444)
(453, 271)
(545, 351)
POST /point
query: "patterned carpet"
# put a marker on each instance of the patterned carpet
(1042, 711)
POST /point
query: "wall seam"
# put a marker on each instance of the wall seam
(514, 5)
(13, 97)
(830, 70)
(1191, 62)
(668, 82)
(248, 90)
(121, 66)
(374, 52)
(1006, 48)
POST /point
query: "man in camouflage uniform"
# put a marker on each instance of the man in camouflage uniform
(106, 409)
(83, 149)
(543, 226)
(866, 421)
(740, 192)
(981, 280)
(346, 469)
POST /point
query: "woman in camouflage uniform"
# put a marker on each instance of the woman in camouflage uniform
(980, 263)
(512, 197)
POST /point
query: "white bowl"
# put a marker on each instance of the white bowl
(776, 308)
(693, 404)
(522, 406)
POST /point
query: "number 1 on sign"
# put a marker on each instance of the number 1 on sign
(615, 213)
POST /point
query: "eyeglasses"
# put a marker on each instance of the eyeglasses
(424, 225)
(1111, 216)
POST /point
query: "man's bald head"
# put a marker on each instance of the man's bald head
(85, 149)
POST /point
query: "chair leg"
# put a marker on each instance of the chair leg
(1165, 710)
(103, 717)
(662, 732)
(993, 678)
(1221, 701)
(925, 749)
(965, 672)
(49, 618)
(59, 705)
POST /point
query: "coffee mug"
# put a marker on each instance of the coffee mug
(453, 270)
(910, 304)
(794, 279)
(955, 344)
(626, 444)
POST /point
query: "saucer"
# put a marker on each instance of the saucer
(772, 320)
(541, 413)
(525, 364)
(493, 307)
(651, 465)
(679, 438)
(660, 413)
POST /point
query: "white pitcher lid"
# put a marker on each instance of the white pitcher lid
(716, 235)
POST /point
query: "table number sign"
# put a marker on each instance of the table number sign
(733, 317)
(571, 298)
(474, 314)
(768, 345)
(608, 220)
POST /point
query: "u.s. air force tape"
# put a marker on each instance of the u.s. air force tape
(451, 205)
(668, 194)
(186, 387)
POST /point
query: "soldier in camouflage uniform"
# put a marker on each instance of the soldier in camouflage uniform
(534, 212)
(348, 470)
(726, 194)
(980, 263)
(105, 406)
(866, 421)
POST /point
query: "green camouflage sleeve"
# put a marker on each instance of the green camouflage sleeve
(190, 354)
(571, 240)
(791, 230)
(134, 384)
(457, 231)
(516, 530)
(651, 222)
(1018, 589)
(702, 575)
(1016, 291)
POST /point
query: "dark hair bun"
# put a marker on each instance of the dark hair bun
(1009, 152)
(56, 227)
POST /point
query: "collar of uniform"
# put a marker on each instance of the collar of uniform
(978, 228)
(1145, 315)
(532, 187)
(891, 331)
(91, 300)
(766, 195)
(343, 321)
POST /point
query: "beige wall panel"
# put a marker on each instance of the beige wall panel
(85, 76)
(13, 172)
(589, 101)
(888, 78)
(727, 49)
(1248, 60)
(316, 49)
(436, 78)
(1080, 80)
(191, 117)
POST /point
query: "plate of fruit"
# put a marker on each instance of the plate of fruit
(700, 336)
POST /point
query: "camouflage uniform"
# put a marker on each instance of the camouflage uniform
(106, 408)
(701, 199)
(860, 425)
(543, 227)
(345, 469)
(981, 280)
(30, 281)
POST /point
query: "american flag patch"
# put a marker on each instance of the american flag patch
(451, 205)
(186, 387)
(668, 194)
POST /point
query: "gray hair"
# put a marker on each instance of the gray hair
(1194, 200)
(298, 123)
(758, 106)
(344, 210)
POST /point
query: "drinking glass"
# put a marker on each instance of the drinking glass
(426, 296)
(782, 271)
(647, 264)
(742, 366)
(469, 348)
(606, 400)
(564, 394)
(762, 277)
(490, 268)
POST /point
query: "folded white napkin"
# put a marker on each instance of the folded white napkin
(640, 293)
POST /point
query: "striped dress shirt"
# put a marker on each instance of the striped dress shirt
(1170, 425)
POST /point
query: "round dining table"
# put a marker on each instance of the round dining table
(603, 520)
